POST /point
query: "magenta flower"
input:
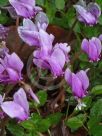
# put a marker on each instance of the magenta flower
(18, 108)
(79, 82)
(88, 14)
(26, 8)
(92, 48)
(10, 68)
(49, 57)
(29, 32)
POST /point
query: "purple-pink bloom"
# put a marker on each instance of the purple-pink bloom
(93, 48)
(29, 32)
(100, 37)
(79, 82)
(10, 68)
(19, 107)
(49, 57)
(88, 14)
(26, 9)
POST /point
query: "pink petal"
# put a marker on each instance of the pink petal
(14, 110)
(21, 99)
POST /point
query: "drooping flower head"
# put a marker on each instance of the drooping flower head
(18, 108)
(88, 14)
(10, 68)
(93, 48)
(26, 9)
(29, 32)
(79, 82)
(49, 57)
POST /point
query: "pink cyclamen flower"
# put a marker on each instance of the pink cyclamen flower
(88, 14)
(49, 57)
(26, 9)
(93, 48)
(18, 108)
(29, 32)
(10, 68)
(79, 82)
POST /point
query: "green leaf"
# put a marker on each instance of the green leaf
(83, 57)
(31, 124)
(60, 4)
(50, 10)
(87, 101)
(76, 122)
(28, 124)
(94, 122)
(100, 20)
(15, 129)
(3, 18)
(54, 118)
(4, 2)
(97, 90)
(40, 2)
(42, 95)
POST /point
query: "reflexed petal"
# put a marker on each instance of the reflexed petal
(55, 67)
(85, 46)
(30, 37)
(68, 76)
(21, 99)
(42, 18)
(94, 9)
(28, 24)
(59, 56)
(15, 62)
(93, 54)
(83, 78)
(29, 2)
(64, 47)
(34, 96)
(98, 45)
(13, 75)
(41, 63)
(87, 16)
(45, 41)
(22, 9)
(14, 110)
(77, 87)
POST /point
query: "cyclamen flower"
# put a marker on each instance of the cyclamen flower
(26, 8)
(29, 32)
(79, 82)
(88, 14)
(49, 57)
(93, 48)
(18, 108)
(10, 68)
